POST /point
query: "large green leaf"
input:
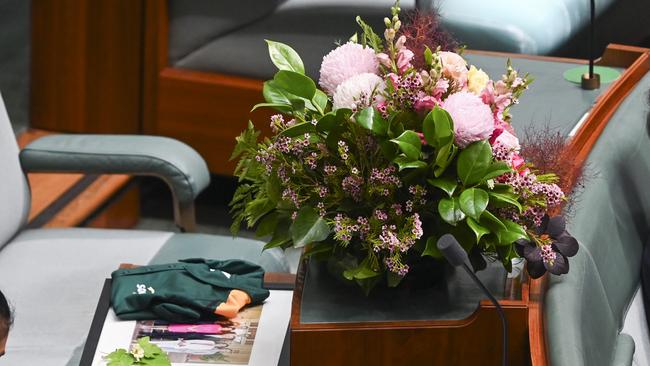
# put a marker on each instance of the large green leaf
(473, 202)
(267, 225)
(444, 157)
(281, 235)
(403, 162)
(279, 106)
(493, 223)
(450, 211)
(274, 94)
(447, 184)
(284, 57)
(299, 129)
(409, 143)
(438, 128)
(473, 162)
(505, 199)
(512, 233)
(295, 83)
(371, 119)
(496, 169)
(478, 230)
(431, 248)
(320, 100)
(308, 227)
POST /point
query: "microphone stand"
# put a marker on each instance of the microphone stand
(590, 80)
(502, 315)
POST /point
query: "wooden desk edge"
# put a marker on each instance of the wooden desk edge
(636, 60)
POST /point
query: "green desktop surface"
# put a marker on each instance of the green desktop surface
(550, 100)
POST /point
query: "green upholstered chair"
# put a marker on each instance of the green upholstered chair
(53, 277)
(594, 314)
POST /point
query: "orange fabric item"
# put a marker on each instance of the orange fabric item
(237, 299)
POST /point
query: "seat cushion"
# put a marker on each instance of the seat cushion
(636, 326)
(311, 27)
(53, 278)
(532, 27)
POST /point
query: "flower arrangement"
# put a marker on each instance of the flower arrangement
(371, 170)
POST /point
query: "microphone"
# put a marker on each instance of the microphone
(457, 257)
(591, 80)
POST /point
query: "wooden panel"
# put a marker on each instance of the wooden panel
(86, 65)
(472, 341)
(208, 111)
(122, 213)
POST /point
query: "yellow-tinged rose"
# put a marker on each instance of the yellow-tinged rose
(477, 79)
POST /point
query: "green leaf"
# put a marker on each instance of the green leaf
(295, 83)
(450, 211)
(308, 227)
(150, 349)
(512, 233)
(393, 279)
(279, 106)
(409, 143)
(428, 56)
(473, 202)
(371, 119)
(299, 129)
(330, 121)
(284, 57)
(274, 94)
(281, 235)
(404, 162)
(505, 199)
(120, 357)
(267, 225)
(496, 169)
(445, 156)
(320, 100)
(431, 248)
(492, 222)
(473, 162)
(257, 208)
(369, 37)
(478, 230)
(438, 128)
(447, 184)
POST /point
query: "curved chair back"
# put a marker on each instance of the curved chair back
(585, 309)
(14, 191)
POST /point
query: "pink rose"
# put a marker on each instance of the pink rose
(404, 57)
(454, 67)
(508, 140)
(425, 103)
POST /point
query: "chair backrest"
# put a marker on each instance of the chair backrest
(585, 309)
(14, 191)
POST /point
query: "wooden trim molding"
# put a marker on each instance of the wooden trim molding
(636, 61)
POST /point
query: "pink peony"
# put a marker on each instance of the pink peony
(359, 91)
(454, 67)
(345, 62)
(473, 120)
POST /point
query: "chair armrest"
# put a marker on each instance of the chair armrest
(180, 166)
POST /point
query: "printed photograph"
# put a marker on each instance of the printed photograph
(221, 342)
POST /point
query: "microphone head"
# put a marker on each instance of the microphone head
(451, 249)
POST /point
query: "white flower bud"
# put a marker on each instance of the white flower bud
(387, 22)
(389, 34)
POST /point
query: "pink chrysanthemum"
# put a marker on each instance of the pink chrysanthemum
(472, 118)
(344, 62)
(359, 91)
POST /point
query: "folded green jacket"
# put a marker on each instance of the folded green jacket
(189, 290)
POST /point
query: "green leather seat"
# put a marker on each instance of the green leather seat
(585, 310)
